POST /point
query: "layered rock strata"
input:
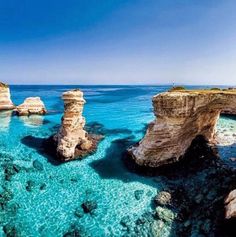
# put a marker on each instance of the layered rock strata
(5, 98)
(72, 141)
(180, 117)
(31, 105)
(230, 203)
(229, 111)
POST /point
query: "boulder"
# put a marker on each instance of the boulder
(31, 105)
(230, 205)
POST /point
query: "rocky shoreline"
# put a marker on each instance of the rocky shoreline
(186, 120)
(30, 106)
(193, 197)
(192, 202)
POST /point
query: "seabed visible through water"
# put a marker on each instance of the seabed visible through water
(40, 197)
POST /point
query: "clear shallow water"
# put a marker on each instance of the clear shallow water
(48, 208)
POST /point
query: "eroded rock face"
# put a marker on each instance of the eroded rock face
(180, 117)
(230, 202)
(229, 111)
(5, 98)
(72, 140)
(31, 105)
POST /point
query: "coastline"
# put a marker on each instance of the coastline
(103, 176)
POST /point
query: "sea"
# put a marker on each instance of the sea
(41, 197)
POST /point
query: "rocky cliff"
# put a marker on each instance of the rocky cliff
(72, 140)
(31, 105)
(180, 117)
(5, 98)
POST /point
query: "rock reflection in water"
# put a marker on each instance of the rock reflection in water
(5, 119)
(32, 121)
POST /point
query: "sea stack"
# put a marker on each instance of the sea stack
(180, 117)
(5, 98)
(72, 141)
(31, 105)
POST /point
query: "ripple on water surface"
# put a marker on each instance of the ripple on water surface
(48, 196)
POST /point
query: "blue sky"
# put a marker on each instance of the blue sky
(118, 41)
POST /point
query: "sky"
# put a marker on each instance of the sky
(118, 42)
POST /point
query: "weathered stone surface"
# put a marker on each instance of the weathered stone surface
(5, 98)
(31, 105)
(230, 203)
(72, 140)
(229, 111)
(180, 117)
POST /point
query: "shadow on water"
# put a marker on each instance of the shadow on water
(112, 166)
(98, 128)
(199, 183)
(143, 130)
(38, 145)
(41, 146)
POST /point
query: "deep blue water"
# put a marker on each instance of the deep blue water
(48, 208)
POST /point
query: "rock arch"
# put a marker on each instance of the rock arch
(180, 117)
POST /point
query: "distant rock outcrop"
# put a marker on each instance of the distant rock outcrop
(180, 117)
(5, 98)
(72, 141)
(31, 105)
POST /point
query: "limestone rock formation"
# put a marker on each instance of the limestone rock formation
(31, 105)
(5, 98)
(72, 140)
(180, 117)
(230, 202)
(230, 111)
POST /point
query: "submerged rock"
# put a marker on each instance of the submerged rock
(138, 194)
(181, 116)
(10, 170)
(89, 206)
(42, 186)
(37, 165)
(125, 221)
(165, 214)
(31, 105)
(6, 196)
(79, 212)
(10, 231)
(30, 185)
(76, 230)
(163, 198)
(230, 203)
(5, 98)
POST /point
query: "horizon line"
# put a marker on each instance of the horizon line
(168, 84)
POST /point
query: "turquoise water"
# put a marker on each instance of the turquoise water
(44, 198)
